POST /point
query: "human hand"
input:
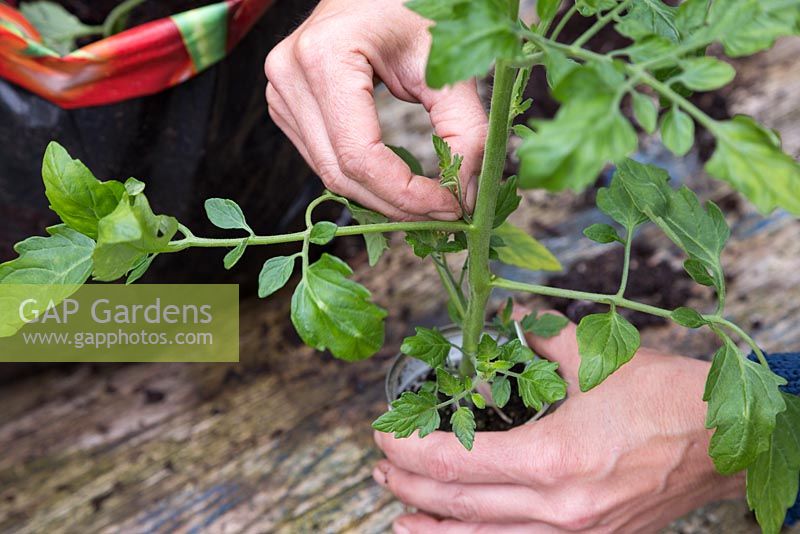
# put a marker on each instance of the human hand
(627, 456)
(320, 93)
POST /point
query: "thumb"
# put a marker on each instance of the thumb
(458, 117)
(561, 348)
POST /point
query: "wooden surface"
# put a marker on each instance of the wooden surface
(281, 442)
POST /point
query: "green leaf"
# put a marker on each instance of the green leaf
(410, 412)
(60, 264)
(705, 73)
(487, 348)
(448, 384)
(409, 159)
(323, 233)
(58, 27)
(645, 111)
(649, 17)
(588, 131)
(515, 352)
(433, 9)
(332, 312)
(134, 186)
(377, 244)
(606, 341)
(233, 257)
(772, 479)
(127, 235)
(547, 9)
(677, 131)
(522, 250)
(688, 317)
(749, 157)
(557, 65)
(478, 401)
(546, 325)
(79, 198)
(140, 269)
(588, 8)
(749, 26)
(501, 391)
(226, 214)
(507, 201)
(698, 272)
(616, 202)
(465, 44)
(743, 401)
(540, 384)
(691, 16)
(463, 422)
(427, 345)
(274, 275)
(449, 164)
(603, 233)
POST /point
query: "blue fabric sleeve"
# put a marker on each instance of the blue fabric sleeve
(787, 365)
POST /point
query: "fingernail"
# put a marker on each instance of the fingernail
(400, 528)
(443, 215)
(379, 473)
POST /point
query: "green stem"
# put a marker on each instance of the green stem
(601, 23)
(743, 335)
(626, 266)
(563, 22)
(667, 91)
(449, 283)
(122, 10)
(479, 236)
(378, 228)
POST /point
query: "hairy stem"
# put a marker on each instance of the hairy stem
(626, 265)
(479, 236)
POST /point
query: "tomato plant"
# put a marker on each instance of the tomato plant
(110, 232)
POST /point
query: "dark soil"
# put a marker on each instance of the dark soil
(652, 282)
(487, 420)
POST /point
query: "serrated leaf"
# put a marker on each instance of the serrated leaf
(58, 265)
(606, 341)
(743, 400)
(645, 111)
(427, 345)
(616, 202)
(409, 159)
(467, 42)
(79, 198)
(322, 233)
(129, 234)
(226, 214)
(235, 254)
(448, 384)
(748, 26)
(546, 325)
(410, 412)
(332, 312)
(507, 201)
(588, 131)
(691, 16)
(649, 17)
(677, 131)
(377, 244)
(274, 275)
(540, 384)
(705, 73)
(487, 348)
(478, 401)
(749, 157)
(772, 479)
(515, 352)
(463, 422)
(603, 233)
(501, 391)
(688, 317)
(522, 250)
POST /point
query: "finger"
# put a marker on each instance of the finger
(492, 460)
(502, 503)
(351, 120)
(319, 152)
(561, 348)
(458, 117)
(425, 524)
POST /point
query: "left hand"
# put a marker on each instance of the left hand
(627, 456)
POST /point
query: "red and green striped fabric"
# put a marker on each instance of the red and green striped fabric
(141, 61)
